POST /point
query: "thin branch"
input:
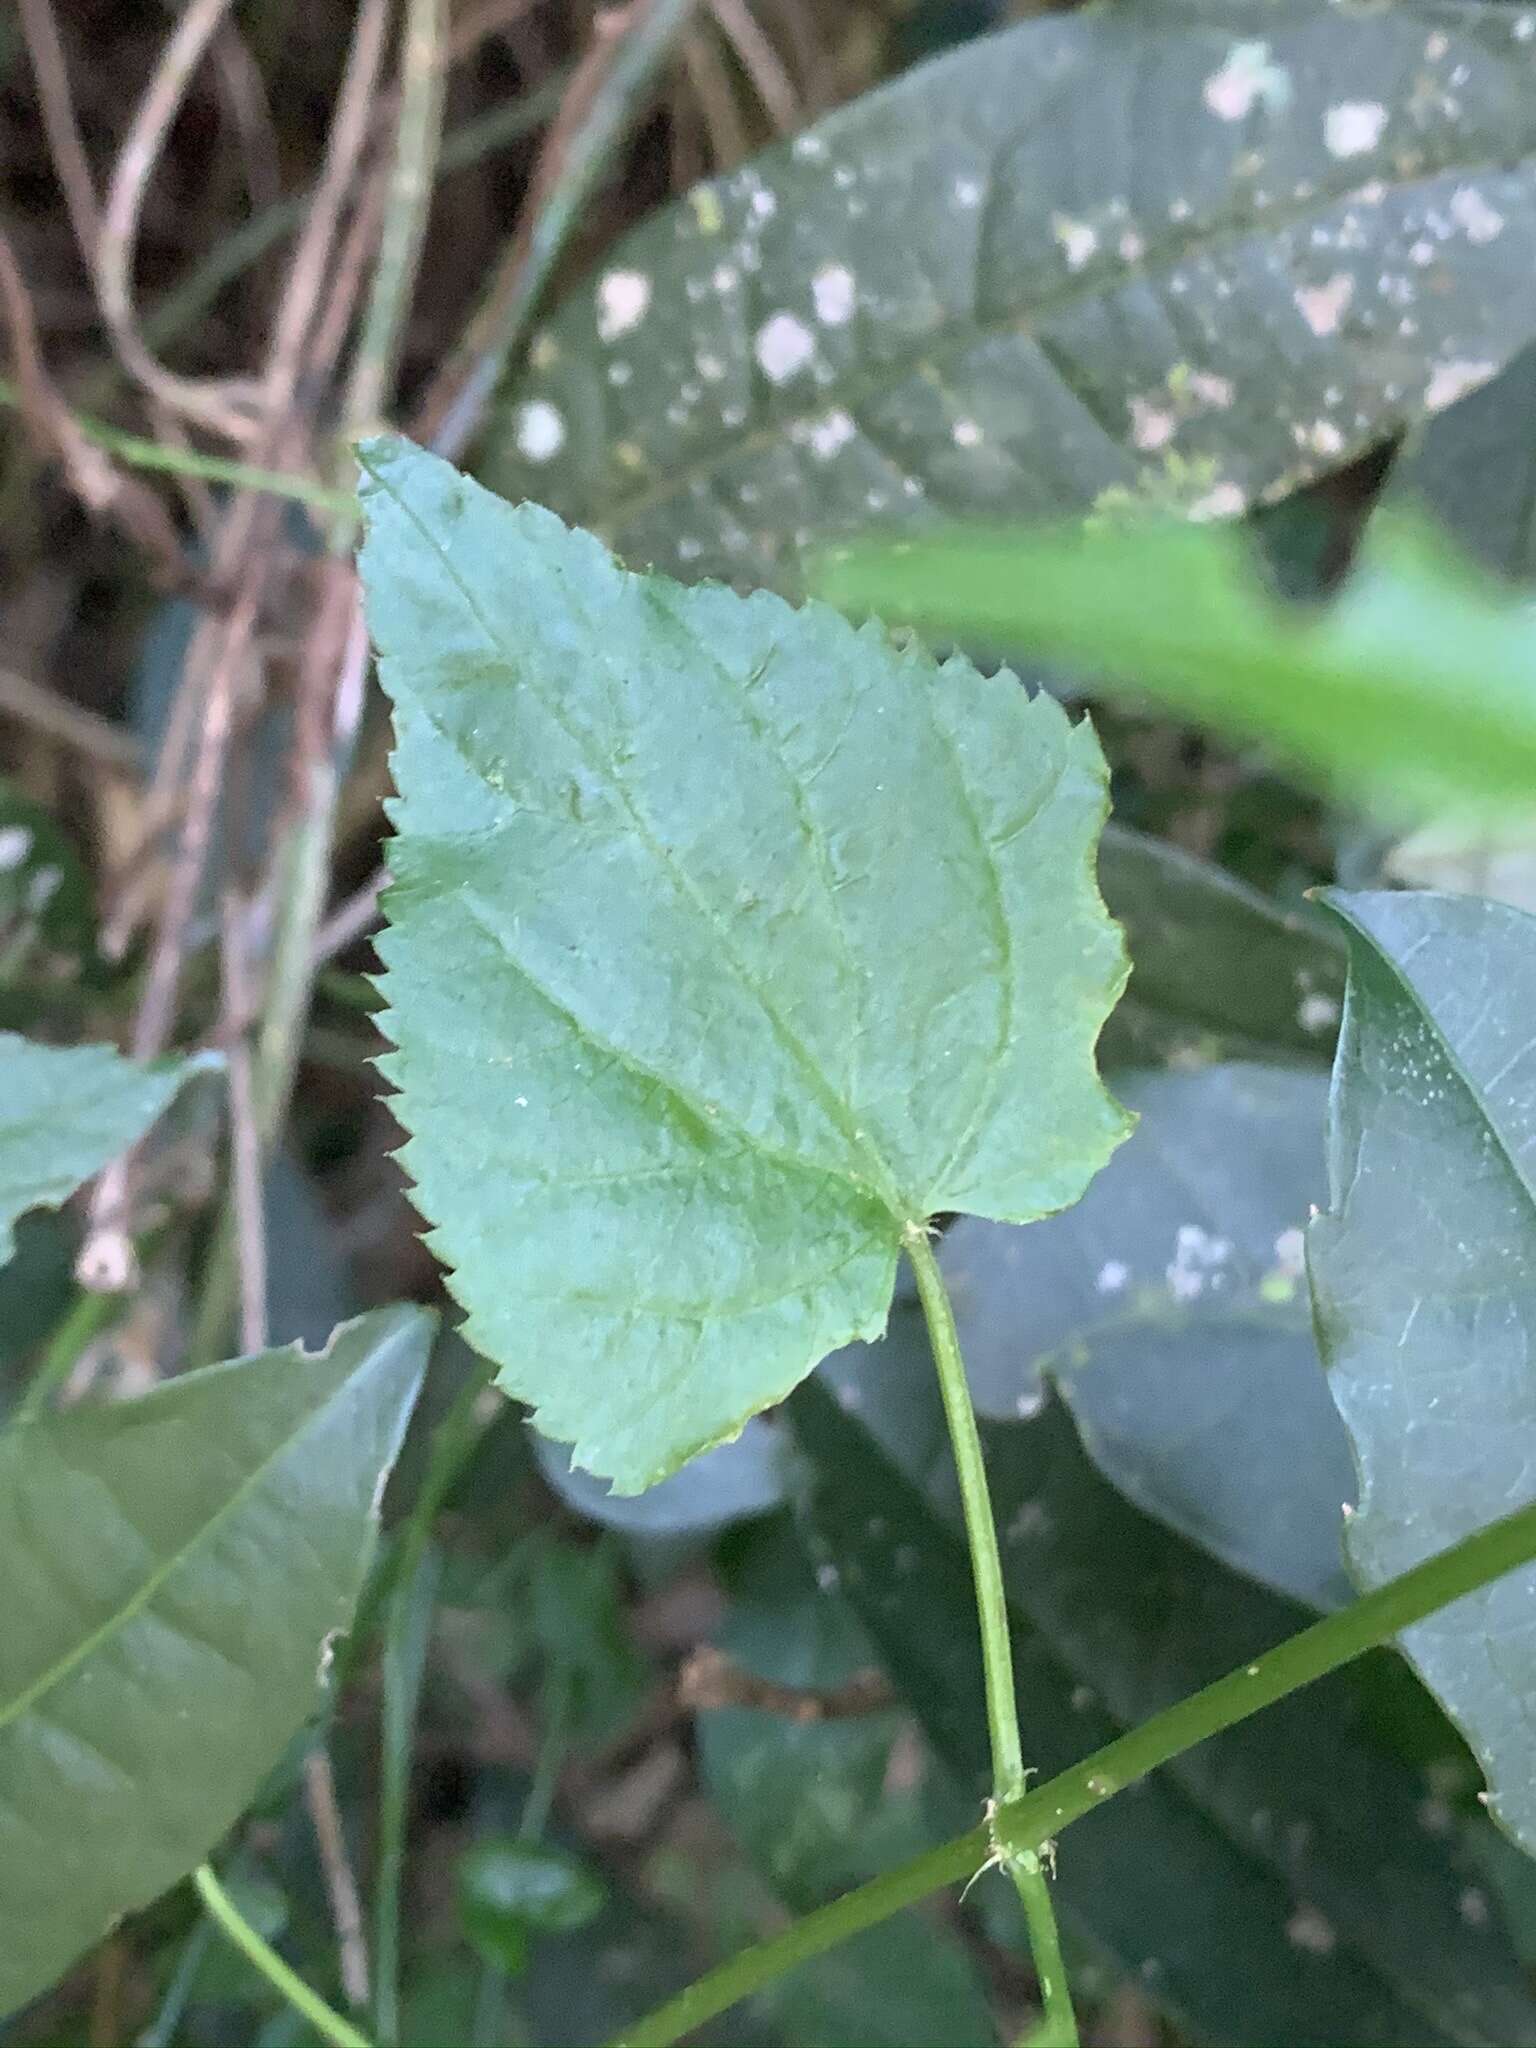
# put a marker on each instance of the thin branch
(417, 144)
(93, 478)
(229, 408)
(350, 920)
(57, 105)
(612, 81)
(245, 1175)
(760, 61)
(340, 1884)
(71, 724)
(345, 144)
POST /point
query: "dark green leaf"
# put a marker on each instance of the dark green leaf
(1475, 468)
(1284, 1882)
(894, 1984)
(813, 1805)
(177, 1568)
(1170, 1306)
(1218, 972)
(1423, 1272)
(1130, 254)
(64, 1114)
(1414, 691)
(47, 927)
(510, 1889)
(724, 945)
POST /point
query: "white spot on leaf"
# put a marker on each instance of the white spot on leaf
(1322, 437)
(1078, 241)
(1472, 213)
(1454, 380)
(966, 434)
(1353, 127)
(623, 298)
(1226, 501)
(540, 430)
(1309, 1931)
(1323, 306)
(828, 435)
(1248, 75)
(784, 346)
(1152, 426)
(833, 290)
(15, 845)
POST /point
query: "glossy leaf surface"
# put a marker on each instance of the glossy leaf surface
(1424, 1274)
(724, 943)
(177, 1567)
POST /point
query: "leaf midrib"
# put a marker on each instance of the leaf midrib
(15, 1709)
(880, 1182)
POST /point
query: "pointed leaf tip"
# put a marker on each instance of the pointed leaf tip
(725, 942)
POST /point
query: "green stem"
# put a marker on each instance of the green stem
(85, 1321)
(1008, 1774)
(1025, 1823)
(328, 2024)
(401, 1668)
(453, 1445)
(138, 453)
(418, 141)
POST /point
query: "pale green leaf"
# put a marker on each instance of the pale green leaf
(725, 944)
(1424, 1276)
(177, 1568)
(64, 1114)
(1414, 691)
(1186, 257)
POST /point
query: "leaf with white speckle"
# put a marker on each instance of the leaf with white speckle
(1192, 256)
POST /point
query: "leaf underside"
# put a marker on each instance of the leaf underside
(1424, 1279)
(1190, 256)
(724, 944)
(176, 1567)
